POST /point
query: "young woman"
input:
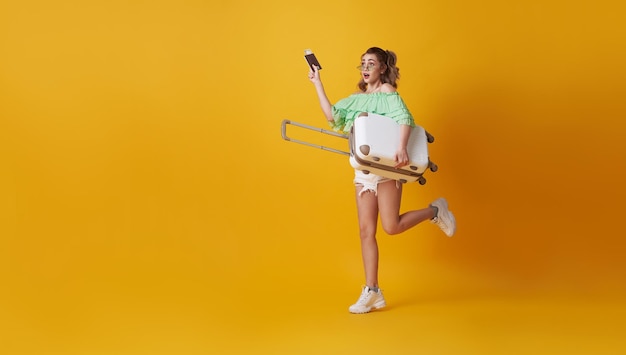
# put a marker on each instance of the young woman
(375, 194)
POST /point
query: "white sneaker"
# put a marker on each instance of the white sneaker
(368, 301)
(444, 218)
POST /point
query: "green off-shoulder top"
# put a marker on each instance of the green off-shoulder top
(388, 104)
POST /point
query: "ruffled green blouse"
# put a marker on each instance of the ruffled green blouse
(388, 104)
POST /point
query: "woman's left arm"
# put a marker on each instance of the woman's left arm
(402, 156)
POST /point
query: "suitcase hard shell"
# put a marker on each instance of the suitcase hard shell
(373, 143)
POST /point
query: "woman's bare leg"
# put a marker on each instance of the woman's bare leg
(367, 209)
(389, 197)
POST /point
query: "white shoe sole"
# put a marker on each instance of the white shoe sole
(378, 305)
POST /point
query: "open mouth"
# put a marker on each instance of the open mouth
(366, 76)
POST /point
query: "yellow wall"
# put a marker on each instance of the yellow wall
(142, 165)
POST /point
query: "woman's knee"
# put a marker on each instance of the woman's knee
(367, 231)
(391, 227)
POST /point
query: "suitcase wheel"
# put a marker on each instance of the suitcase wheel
(365, 149)
(421, 180)
(433, 167)
(402, 181)
(430, 137)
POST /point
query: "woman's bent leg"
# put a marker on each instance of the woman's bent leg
(389, 197)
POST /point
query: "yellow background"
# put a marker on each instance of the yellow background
(148, 204)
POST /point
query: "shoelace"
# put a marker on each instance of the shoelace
(364, 298)
(439, 222)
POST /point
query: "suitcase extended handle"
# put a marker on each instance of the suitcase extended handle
(283, 132)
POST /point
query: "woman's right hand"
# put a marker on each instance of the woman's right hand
(314, 75)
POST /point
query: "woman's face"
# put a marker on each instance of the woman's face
(371, 68)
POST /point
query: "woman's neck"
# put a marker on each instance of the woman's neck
(374, 87)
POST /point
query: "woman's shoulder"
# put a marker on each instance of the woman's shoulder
(387, 88)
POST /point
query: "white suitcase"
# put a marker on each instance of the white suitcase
(373, 141)
(373, 144)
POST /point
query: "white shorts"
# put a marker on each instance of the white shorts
(369, 181)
